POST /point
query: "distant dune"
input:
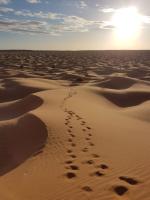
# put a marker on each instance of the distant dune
(74, 125)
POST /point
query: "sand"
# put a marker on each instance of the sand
(74, 125)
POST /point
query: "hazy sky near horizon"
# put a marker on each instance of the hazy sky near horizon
(74, 24)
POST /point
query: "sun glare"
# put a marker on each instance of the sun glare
(127, 23)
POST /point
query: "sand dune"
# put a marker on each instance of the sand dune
(141, 112)
(127, 99)
(117, 82)
(19, 143)
(19, 107)
(12, 91)
(67, 133)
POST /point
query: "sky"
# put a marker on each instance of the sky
(74, 24)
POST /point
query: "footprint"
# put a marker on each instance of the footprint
(70, 175)
(90, 134)
(73, 156)
(131, 181)
(87, 138)
(74, 167)
(120, 190)
(84, 129)
(91, 144)
(70, 127)
(66, 119)
(95, 155)
(70, 112)
(103, 166)
(88, 127)
(73, 144)
(97, 173)
(78, 118)
(90, 162)
(69, 151)
(69, 140)
(69, 131)
(87, 189)
(85, 149)
(72, 135)
(69, 162)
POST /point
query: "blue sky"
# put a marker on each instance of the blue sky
(68, 24)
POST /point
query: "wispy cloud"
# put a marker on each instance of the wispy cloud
(82, 4)
(38, 27)
(66, 24)
(40, 14)
(77, 24)
(28, 26)
(5, 10)
(4, 1)
(108, 10)
(54, 23)
(106, 25)
(33, 1)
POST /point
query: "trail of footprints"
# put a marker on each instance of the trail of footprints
(73, 168)
(99, 170)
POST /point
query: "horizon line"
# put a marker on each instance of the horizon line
(75, 50)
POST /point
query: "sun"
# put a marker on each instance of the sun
(127, 23)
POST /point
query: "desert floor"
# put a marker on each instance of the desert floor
(74, 125)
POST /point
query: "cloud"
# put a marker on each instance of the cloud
(33, 1)
(28, 26)
(82, 4)
(64, 20)
(5, 10)
(66, 24)
(74, 24)
(53, 23)
(106, 25)
(79, 24)
(4, 1)
(40, 14)
(108, 10)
